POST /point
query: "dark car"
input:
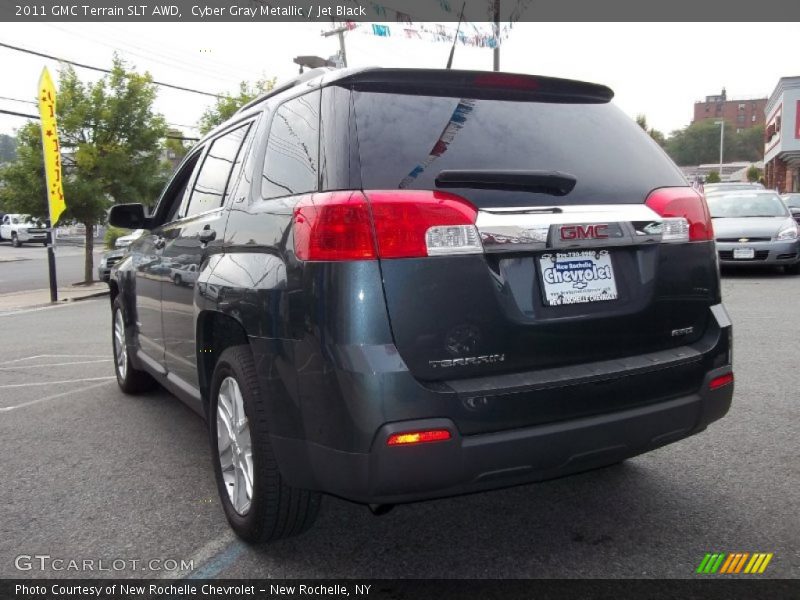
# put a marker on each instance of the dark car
(419, 283)
(108, 260)
(792, 201)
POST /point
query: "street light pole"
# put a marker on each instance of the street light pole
(496, 27)
(340, 31)
(721, 142)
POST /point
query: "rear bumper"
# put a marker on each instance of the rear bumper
(478, 462)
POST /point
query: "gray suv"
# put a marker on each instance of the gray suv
(418, 283)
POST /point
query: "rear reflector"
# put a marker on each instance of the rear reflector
(686, 216)
(418, 437)
(720, 381)
(384, 224)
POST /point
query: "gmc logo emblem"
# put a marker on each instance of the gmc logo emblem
(584, 232)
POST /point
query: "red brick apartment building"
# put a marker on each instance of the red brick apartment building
(743, 114)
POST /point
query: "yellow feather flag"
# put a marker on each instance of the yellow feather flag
(51, 147)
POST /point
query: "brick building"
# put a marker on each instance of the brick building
(742, 114)
(782, 137)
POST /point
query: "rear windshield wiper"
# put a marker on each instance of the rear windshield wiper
(554, 183)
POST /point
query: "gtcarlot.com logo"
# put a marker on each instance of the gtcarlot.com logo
(743, 563)
(45, 562)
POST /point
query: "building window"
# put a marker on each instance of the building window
(741, 107)
(753, 119)
(740, 118)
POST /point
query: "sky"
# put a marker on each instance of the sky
(655, 69)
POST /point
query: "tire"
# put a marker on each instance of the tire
(274, 510)
(178, 280)
(15, 240)
(792, 269)
(130, 380)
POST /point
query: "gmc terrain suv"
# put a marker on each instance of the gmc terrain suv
(417, 283)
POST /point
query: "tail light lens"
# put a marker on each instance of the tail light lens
(686, 215)
(335, 226)
(384, 224)
(418, 437)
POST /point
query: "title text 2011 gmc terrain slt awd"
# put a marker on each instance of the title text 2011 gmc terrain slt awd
(418, 283)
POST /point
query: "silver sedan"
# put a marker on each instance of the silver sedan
(754, 228)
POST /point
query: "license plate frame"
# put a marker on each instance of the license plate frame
(585, 277)
(745, 253)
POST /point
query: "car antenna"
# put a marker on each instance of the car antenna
(455, 38)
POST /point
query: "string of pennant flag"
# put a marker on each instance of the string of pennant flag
(397, 23)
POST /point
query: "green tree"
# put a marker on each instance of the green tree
(225, 106)
(111, 142)
(8, 148)
(658, 136)
(753, 173)
(712, 177)
(699, 143)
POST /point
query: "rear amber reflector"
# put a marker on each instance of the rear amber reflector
(720, 381)
(418, 437)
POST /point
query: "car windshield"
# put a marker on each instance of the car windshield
(745, 205)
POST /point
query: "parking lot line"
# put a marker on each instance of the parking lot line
(35, 356)
(82, 362)
(220, 562)
(54, 396)
(18, 385)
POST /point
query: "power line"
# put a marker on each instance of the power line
(170, 137)
(83, 66)
(17, 114)
(177, 63)
(18, 100)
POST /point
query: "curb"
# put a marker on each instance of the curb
(88, 297)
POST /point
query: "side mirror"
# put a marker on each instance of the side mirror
(128, 216)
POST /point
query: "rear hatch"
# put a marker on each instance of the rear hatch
(579, 258)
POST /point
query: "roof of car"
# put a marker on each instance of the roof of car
(516, 86)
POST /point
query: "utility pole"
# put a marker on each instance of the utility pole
(340, 32)
(721, 142)
(496, 35)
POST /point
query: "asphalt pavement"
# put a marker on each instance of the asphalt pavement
(93, 474)
(25, 268)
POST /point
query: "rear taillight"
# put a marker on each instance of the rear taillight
(686, 216)
(384, 224)
(418, 437)
(721, 381)
(334, 226)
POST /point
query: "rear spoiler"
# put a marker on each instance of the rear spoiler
(472, 84)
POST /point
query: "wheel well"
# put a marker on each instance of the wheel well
(215, 333)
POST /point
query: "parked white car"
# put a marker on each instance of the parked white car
(184, 275)
(22, 229)
(126, 240)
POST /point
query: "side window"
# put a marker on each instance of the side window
(173, 195)
(292, 158)
(209, 187)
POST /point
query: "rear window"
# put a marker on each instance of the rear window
(406, 140)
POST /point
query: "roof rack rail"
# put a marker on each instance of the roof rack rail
(311, 74)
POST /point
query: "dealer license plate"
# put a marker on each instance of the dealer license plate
(577, 277)
(744, 253)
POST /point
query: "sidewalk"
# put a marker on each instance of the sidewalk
(37, 298)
